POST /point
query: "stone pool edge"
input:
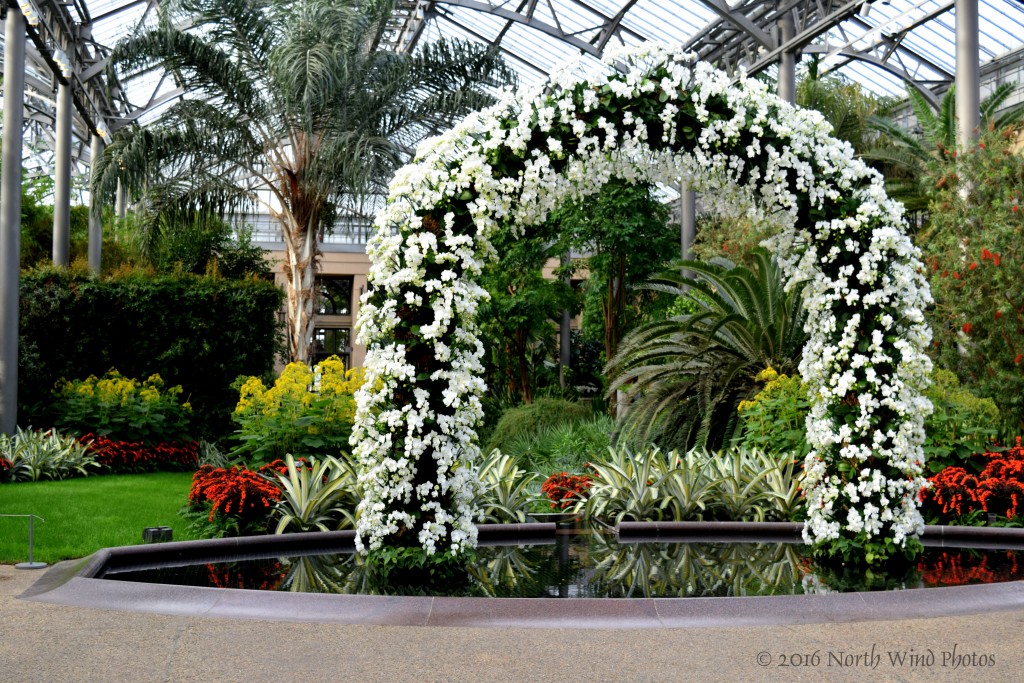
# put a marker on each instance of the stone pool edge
(72, 584)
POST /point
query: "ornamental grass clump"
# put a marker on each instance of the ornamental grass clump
(123, 408)
(307, 412)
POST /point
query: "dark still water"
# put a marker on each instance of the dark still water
(590, 565)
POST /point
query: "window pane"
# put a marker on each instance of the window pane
(334, 296)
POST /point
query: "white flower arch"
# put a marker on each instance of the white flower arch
(661, 115)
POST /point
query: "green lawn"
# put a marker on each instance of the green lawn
(84, 515)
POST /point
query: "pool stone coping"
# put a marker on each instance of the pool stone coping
(79, 583)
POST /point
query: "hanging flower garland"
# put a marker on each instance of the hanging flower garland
(662, 117)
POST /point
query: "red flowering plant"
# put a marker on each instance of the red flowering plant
(5, 468)
(261, 576)
(963, 567)
(958, 496)
(137, 456)
(564, 490)
(230, 502)
(973, 247)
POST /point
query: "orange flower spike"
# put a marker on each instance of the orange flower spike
(995, 258)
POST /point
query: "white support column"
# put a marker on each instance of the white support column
(95, 209)
(687, 222)
(10, 215)
(62, 178)
(787, 60)
(968, 77)
(120, 210)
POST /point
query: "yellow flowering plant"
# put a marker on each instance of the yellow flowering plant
(308, 412)
(123, 408)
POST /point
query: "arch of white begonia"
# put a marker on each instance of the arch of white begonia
(660, 116)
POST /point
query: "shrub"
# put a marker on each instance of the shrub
(197, 332)
(122, 408)
(306, 412)
(563, 446)
(974, 250)
(127, 456)
(230, 502)
(960, 425)
(32, 455)
(532, 417)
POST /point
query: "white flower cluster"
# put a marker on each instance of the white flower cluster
(510, 165)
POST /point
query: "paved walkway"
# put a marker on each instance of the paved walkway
(42, 643)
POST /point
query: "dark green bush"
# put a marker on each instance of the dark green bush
(530, 418)
(198, 332)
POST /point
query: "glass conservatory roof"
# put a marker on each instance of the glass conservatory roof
(878, 43)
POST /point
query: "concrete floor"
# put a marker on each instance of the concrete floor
(45, 642)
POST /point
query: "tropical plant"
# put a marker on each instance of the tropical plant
(294, 98)
(734, 485)
(644, 486)
(34, 455)
(906, 155)
(846, 105)
(754, 486)
(321, 495)
(686, 375)
(505, 489)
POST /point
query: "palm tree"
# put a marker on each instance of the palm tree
(844, 103)
(292, 100)
(689, 373)
(906, 156)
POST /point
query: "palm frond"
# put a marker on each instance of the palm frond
(686, 374)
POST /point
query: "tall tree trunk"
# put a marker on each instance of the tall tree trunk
(522, 348)
(302, 251)
(613, 306)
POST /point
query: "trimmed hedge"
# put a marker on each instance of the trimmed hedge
(195, 331)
